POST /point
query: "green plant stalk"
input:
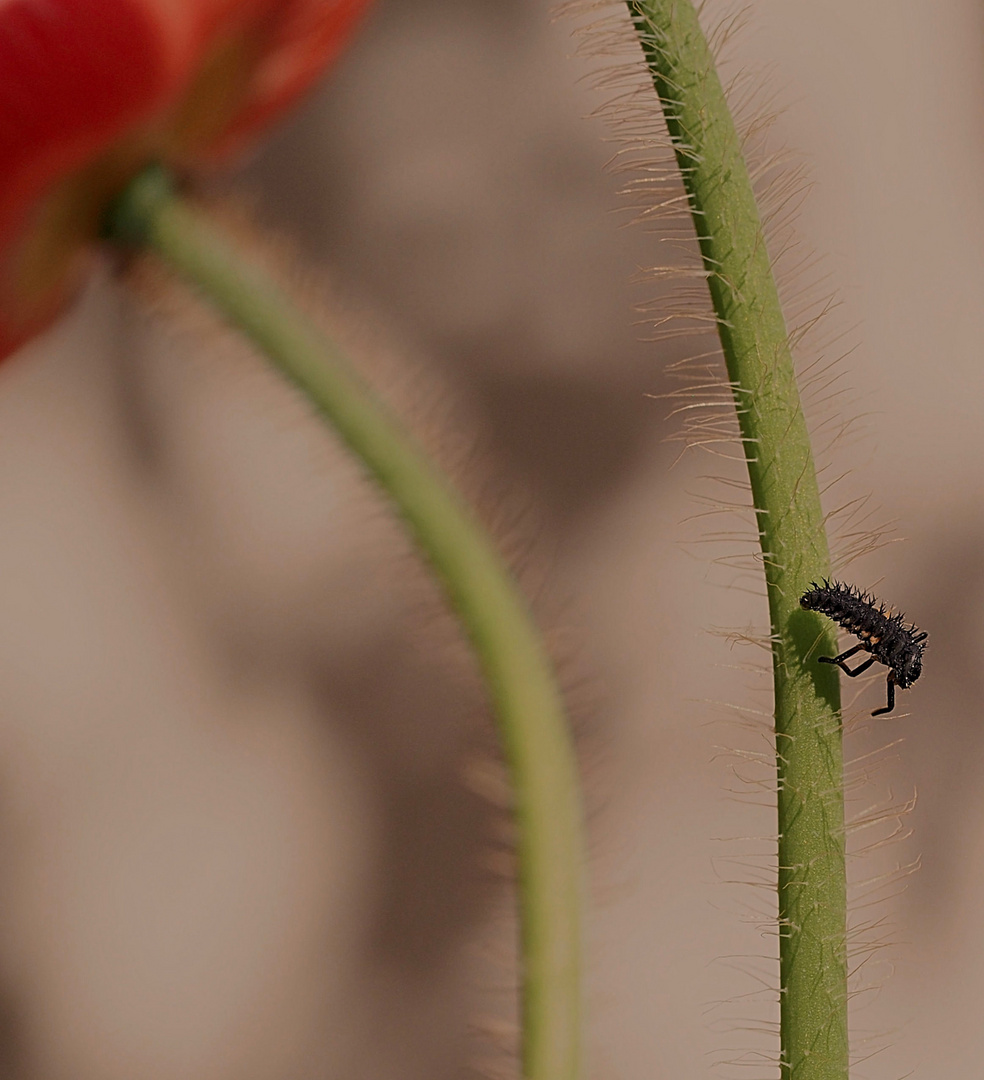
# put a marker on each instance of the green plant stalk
(812, 875)
(529, 711)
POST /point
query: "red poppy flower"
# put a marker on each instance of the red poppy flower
(93, 90)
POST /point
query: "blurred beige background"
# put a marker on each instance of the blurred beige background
(238, 834)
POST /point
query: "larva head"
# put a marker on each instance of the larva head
(911, 666)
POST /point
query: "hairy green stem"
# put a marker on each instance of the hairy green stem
(527, 702)
(812, 877)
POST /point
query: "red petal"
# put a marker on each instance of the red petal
(307, 36)
(90, 90)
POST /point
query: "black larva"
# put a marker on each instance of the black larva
(889, 640)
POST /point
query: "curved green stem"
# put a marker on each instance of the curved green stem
(812, 878)
(525, 695)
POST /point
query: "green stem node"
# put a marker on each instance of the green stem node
(812, 875)
(526, 699)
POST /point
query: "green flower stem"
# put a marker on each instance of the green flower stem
(525, 695)
(812, 878)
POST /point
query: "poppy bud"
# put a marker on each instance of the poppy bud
(91, 91)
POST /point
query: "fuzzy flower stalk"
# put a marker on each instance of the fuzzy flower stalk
(785, 493)
(532, 724)
(102, 103)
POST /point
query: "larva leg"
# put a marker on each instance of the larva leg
(891, 698)
(839, 661)
(859, 669)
